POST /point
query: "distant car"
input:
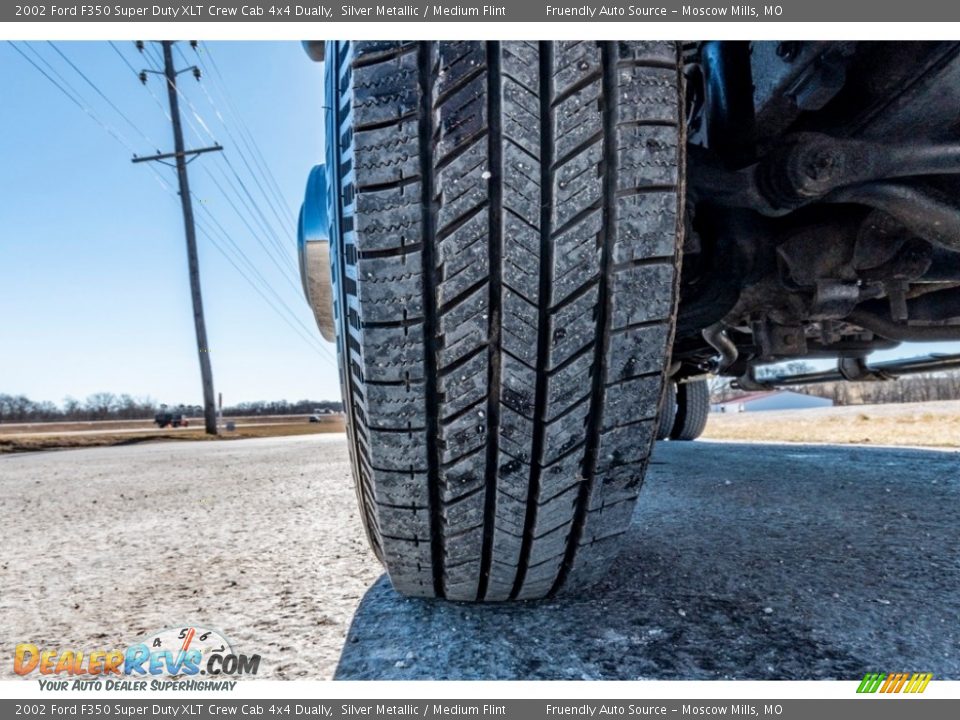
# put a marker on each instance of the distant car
(167, 419)
(314, 418)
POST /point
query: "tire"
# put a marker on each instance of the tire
(668, 411)
(505, 224)
(693, 408)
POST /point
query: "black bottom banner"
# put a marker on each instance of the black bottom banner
(874, 707)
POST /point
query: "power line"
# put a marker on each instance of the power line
(83, 106)
(99, 92)
(259, 215)
(151, 53)
(252, 208)
(197, 116)
(226, 236)
(305, 335)
(266, 224)
(136, 74)
(254, 205)
(267, 286)
(243, 128)
(319, 349)
(250, 203)
(196, 133)
(123, 57)
(261, 163)
(256, 180)
(254, 233)
(76, 98)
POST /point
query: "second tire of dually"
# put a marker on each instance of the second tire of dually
(668, 411)
(506, 221)
(693, 409)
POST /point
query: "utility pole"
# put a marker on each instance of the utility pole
(179, 156)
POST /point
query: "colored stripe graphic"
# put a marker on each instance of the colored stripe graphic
(918, 683)
(894, 683)
(890, 682)
(871, 682)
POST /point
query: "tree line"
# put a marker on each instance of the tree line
(108, 406)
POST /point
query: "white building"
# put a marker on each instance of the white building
(771, 400)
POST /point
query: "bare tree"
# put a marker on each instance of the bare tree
(100, 405)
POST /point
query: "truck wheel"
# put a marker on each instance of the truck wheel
(693, 407)
(505, 224)
(668, 411)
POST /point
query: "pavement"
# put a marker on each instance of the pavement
(743, 561)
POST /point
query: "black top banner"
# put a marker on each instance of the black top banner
(216, 708)
(470, 11)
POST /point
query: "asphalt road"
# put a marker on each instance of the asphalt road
(744, 562)
(785, 562)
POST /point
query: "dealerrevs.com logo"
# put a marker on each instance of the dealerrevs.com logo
(170, 655)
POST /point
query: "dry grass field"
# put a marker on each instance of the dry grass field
(933, 424)
(53, 436)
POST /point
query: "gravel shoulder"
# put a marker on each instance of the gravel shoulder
(258, 538)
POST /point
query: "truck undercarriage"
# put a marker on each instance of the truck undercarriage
(821, 211)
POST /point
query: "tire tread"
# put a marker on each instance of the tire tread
(500, 211)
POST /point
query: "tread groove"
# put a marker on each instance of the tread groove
(374, 58)
(578, 218)
(426, 71)
(583, 82)
(604, 312)
(495, 216)
(458, 86)
(460, 149)
(581, 147)
(543, 316)
(383, 124)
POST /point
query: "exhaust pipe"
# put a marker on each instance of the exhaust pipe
(855, 369)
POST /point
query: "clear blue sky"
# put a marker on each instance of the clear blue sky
(93, 280)
(93, 277)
